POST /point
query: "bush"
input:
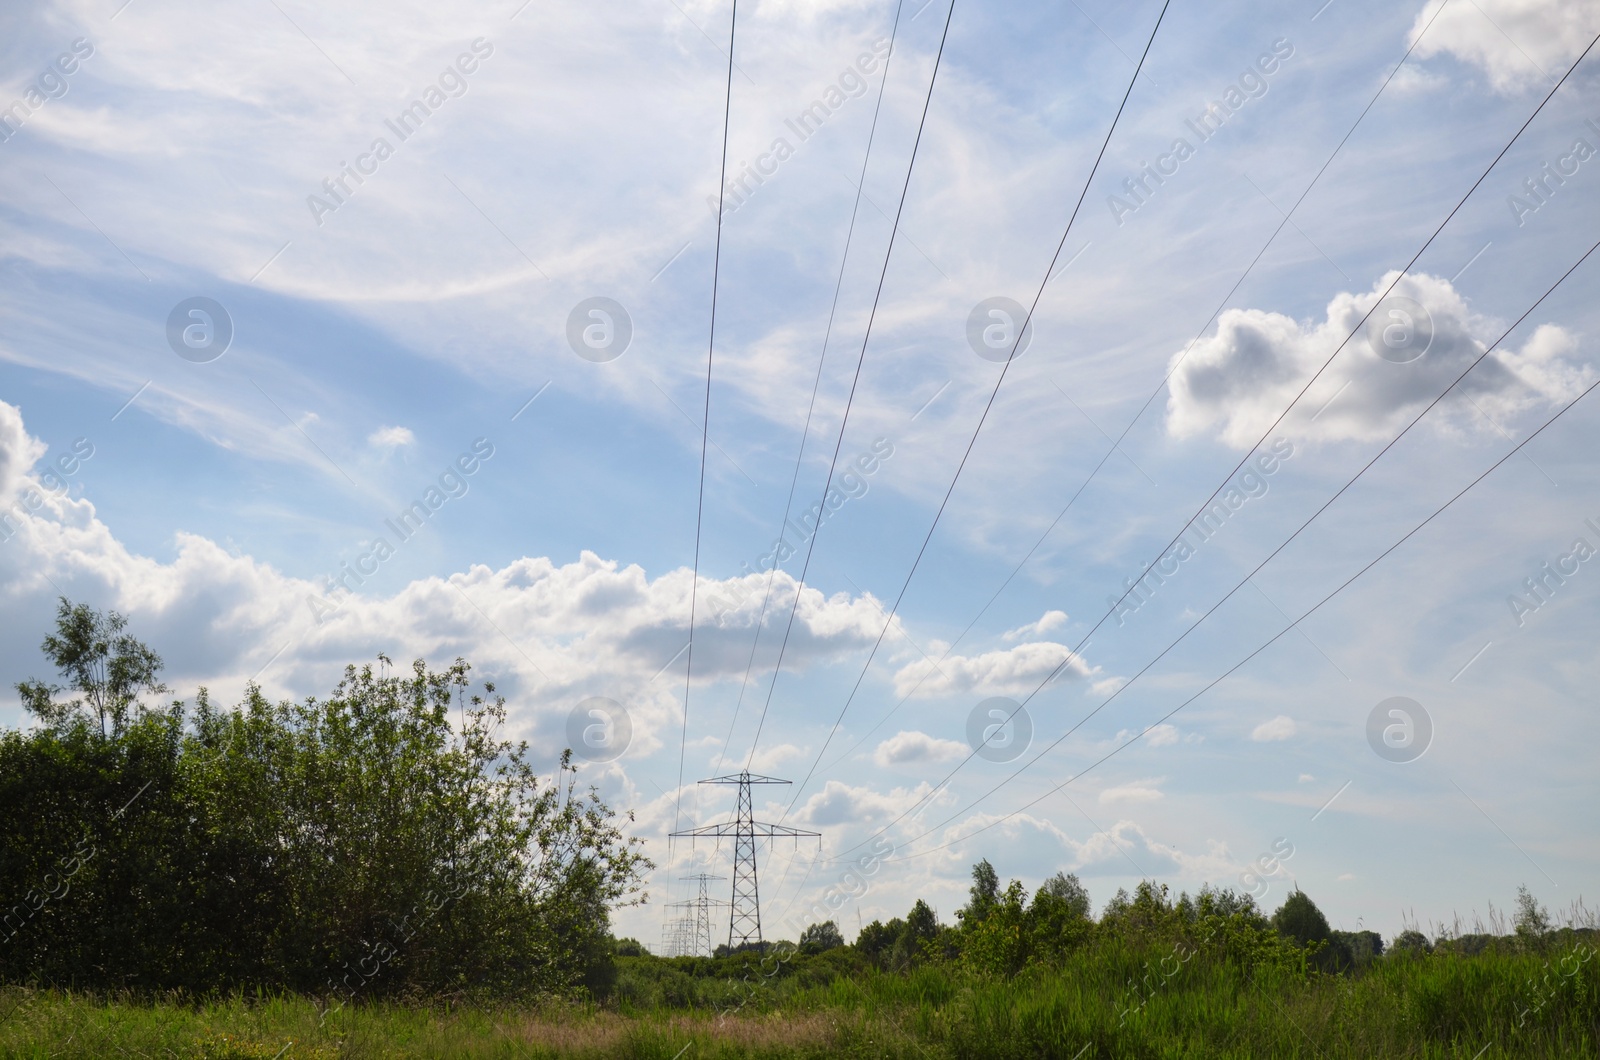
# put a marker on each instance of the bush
(353, 847)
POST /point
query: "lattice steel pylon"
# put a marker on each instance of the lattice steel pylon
(677, 936)
(702, 913)
(744, 912)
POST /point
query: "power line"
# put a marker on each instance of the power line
(1231, 670)
(1275, 552)
(973, 441)
(856, 380)
(1074, 653)
(1115, 445)
(816, 383)
(705, 427)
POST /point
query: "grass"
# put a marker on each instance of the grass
(1426, 1007)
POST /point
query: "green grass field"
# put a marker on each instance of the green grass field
(1434, 1006)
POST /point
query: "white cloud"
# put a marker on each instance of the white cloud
(391, 437)
(1306, 778)
(1159, 736)
(1519, 44)
(552, 634)
(768, 759)
(1236, 382)
(841, 803)
(1013, 671)
(18, 452)
(1048, 621)
(1108, 852)
(1280, 728)
(906, 746)
(1139, 791)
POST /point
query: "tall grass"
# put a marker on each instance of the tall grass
(1496, 1003)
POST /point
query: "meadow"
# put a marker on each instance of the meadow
(1506, 1000)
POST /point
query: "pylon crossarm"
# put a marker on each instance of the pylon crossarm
(755, 828)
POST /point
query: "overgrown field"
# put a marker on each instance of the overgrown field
(1493, 1004)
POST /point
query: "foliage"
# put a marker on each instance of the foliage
(820, 937)
(366, 845)
(108, 667)
(1300, 919)
(1532, 919)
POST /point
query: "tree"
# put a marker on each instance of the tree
(922, 923)
(378, 843)
(877, 940)
(1072, 894)
(820, 937)
(1364, 946)
(984, 893)
(1410, 942)
(1300, 919)
(1532, 920)
(108, 667)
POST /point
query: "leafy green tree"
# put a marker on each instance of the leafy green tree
(984, 894)
(1299, 919)
(877, 940)
(1363, 946)
(1410, 942)
(381, 842)
(1069, 891)
(1117, 907)
(1001, 942)
(1532, 920)
(107, 667)
(820, 937)
(1059, 918)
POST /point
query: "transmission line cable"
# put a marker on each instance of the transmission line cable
(856, 380)
(1074, 653)
(816, 383)
(705, 426)
(1275, 552)
(1293, 623)
(1172, 368)
(1027, 321)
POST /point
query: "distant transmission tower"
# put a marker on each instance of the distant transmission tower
(677, 935)
(702, 913)
(744, 915)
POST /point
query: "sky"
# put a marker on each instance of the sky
(327, 333)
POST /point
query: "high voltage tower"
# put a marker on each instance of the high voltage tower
(677, 936)
(744, 915)
(700, 944)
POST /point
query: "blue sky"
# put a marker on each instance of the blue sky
(379, 337)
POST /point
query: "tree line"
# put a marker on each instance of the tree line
(381, 842)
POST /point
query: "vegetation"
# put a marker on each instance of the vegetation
(379, 843)
(376, 875)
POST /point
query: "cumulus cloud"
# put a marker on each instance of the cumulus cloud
(841, 803)
(19, 451)
(1280, 728)
(1109, 851)
(551, 633)
(1518, 44)
(768, 759)
(904, 747)
(390, 437)
(1236, 382)
(1013, 671)
(1048, 621)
